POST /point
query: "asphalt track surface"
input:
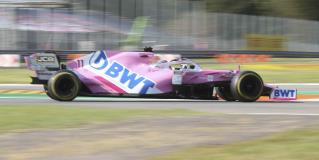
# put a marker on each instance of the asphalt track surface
(145, 139)
(300, 107)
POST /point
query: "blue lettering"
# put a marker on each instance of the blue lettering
(277, 94)
(100, 62)
(131, 78)
(114, 70)
(284, 93)
(147, 84)
(292, 92)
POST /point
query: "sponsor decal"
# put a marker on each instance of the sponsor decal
(118, 74)
(177, 78)
(284, 94)
(44, 59)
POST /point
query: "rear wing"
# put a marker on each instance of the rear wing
(44, 65)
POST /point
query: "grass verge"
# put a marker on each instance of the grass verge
(292, 145)
(15, 76)
(15, 117)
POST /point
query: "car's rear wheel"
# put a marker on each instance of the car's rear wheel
(45, 87)
(225, 93)
(64, 86)
(247, 86)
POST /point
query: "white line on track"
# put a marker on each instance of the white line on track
(308, 100)
(125, 99)
(275, 114)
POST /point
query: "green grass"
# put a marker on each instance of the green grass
(292, 145)
(15, 117)
(14, 76)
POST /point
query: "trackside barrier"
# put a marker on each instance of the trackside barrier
(242, 58)
(9, 60)
(245, 54)
(262, 42)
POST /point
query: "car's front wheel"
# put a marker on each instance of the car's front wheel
(247, 86)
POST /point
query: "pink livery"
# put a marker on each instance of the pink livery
(142, 74)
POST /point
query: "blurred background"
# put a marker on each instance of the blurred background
(268, 25)
(268, 36)
(278, 39)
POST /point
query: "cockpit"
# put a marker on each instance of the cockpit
(182, 64)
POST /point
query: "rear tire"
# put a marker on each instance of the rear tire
(45, 87)
(247, 86)
(64, 86)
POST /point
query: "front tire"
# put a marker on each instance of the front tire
(64, 86)
(247, 86)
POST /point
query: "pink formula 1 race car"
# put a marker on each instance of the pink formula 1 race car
(145, 74)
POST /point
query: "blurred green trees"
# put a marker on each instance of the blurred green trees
(302, 9)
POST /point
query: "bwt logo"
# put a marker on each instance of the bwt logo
(284, 93)
(117, 72)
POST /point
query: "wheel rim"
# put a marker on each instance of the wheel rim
(65, 86)
(251, 86)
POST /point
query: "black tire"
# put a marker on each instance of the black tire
(64, 86)
(225, 93)
(247, 86)
(45, 87)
